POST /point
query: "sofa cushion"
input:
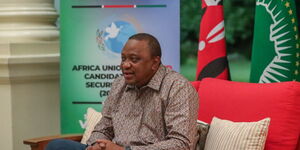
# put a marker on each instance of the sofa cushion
(228, 135)
(246, 102)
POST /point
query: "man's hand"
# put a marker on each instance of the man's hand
(108, 145)
(97, 146)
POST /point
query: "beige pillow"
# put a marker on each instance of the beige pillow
(92, 118)
(228, 135)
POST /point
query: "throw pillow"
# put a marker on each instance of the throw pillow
(228, 135)
(92, 118)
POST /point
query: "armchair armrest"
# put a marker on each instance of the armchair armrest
(202, 128)
(40, 143)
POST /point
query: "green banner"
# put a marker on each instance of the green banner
(93, 34)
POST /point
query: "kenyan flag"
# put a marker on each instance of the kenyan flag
(276, 52)
(212, 59)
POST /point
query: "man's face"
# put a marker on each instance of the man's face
(138, 66)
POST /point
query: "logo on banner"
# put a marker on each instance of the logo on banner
(114, 36)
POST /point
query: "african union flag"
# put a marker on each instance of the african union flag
(275, 53)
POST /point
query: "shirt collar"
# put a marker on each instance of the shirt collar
(155, 81)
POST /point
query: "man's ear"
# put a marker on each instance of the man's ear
(156, 63)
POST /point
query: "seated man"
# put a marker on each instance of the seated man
(150, 107)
